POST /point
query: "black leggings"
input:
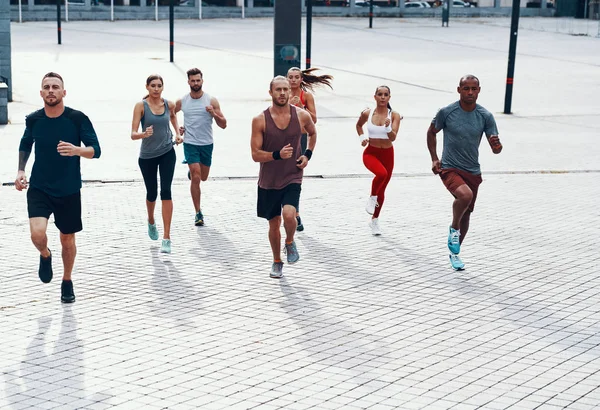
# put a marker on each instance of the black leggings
(165, 165)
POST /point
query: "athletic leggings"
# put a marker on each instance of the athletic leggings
(165, 165)
(379, 161)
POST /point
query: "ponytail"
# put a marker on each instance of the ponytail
(310, 80)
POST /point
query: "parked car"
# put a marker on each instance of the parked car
(460, 3)
(416, 5)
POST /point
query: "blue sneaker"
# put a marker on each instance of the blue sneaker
(456, 263)
(292, 252)
(199, 220)
(152, 231)
(166, 246)
(277, 270)
(454, 241)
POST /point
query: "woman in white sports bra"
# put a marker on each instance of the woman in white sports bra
(382, 128)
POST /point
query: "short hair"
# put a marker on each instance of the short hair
(52, 74)
(277, 78)
(194, 71)
(467, 77)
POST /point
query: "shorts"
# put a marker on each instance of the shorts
(195, 154)
(271, 201)
(66, 209)
(454, 178)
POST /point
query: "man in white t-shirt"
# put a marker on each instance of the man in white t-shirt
(199, 109)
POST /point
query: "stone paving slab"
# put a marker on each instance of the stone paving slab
(359, 322)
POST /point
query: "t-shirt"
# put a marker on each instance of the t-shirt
(53, 173)
(462, 135)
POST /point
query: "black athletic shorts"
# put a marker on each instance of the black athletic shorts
(271, 201)
(66, 209)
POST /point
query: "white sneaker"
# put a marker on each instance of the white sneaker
(371, 204)
(374, 224)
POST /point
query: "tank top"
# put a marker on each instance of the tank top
(280, 173)
(377, 131)
(161, 140)
(196, 120)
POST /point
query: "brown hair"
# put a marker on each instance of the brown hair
(277, 78)
(309, 80)
(152, 78)
(194, 71)
(389, 91)
(52, 74)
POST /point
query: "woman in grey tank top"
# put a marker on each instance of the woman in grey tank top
(157, 155)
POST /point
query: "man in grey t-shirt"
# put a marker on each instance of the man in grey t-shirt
(464, 122)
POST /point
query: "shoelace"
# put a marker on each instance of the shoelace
(455, 237)
(455, 258)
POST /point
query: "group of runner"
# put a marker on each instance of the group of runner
(283, 140)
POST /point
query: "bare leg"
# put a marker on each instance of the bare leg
(464, 225)
(69, 251)
(196, 177)
(37, 227)
(275, 237)
(150, 207)
(463, 197)
(289, 222)
(167, 215)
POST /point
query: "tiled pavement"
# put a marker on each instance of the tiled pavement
(359, 322)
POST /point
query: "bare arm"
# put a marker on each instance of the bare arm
(138, 112)
(218, 114)
(174, 123)
(362, 120)
(309, 126)
(177, 106)
(432, 146)
(311, 107)
(256, 140)
(396, 118)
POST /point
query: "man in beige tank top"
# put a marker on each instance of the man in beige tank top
(275, 143)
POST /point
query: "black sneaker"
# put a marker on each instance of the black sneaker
(66, 291)
(45, 271)
(300, 227)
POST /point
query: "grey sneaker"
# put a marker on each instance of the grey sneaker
(277, 270)
(292, 252)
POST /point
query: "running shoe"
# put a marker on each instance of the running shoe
(374, 224)
(292, 253)
(456, 263)
(454, 241)
(276, 270)
(45, 270)
(199, 220)
(66, 292)
(371, 204)
(152, 231)
(300, 227)
(166, 246)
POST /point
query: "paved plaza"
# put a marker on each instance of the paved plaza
(360, 321)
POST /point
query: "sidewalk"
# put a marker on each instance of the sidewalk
(359, 322)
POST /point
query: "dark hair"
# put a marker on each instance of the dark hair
(467, 77)
(52, 74)
(309, 80)
(389, 91)
(152, 78)
(194, 71)
(277, 78)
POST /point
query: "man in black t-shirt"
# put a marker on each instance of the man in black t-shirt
(55, 185)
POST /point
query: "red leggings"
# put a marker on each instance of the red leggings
(379, 161)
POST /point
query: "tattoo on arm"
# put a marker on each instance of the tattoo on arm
(23, 157)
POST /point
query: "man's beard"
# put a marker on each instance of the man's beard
(53, 103)
(277, 103)
(196, 88)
